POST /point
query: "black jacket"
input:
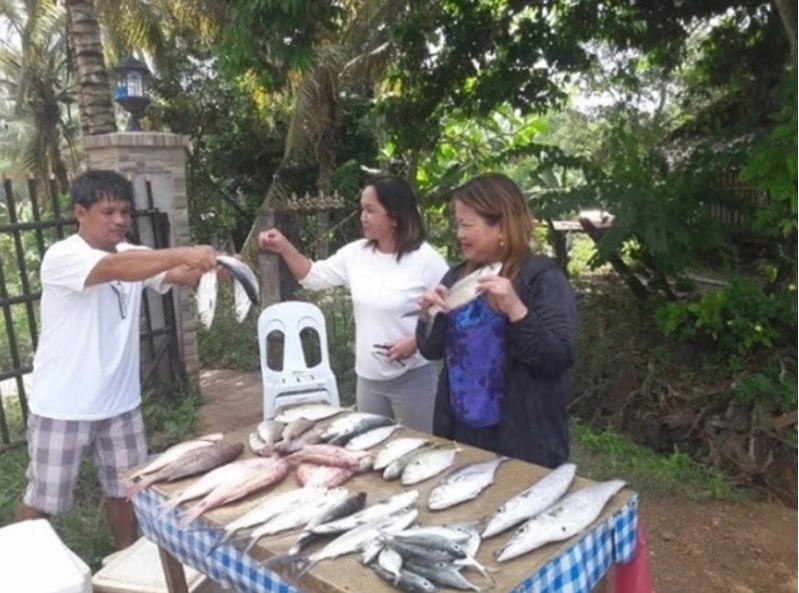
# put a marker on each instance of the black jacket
(541, 348)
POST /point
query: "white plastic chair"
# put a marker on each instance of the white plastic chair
(294, 382)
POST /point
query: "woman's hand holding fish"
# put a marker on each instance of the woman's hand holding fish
(435, 299)
(503, 296)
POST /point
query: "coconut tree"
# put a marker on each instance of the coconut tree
(352, 59)
(34, 74)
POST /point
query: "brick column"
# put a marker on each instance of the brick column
(161, 157)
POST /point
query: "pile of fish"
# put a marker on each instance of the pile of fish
(246, 290)
(324, 447)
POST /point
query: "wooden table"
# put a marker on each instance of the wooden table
(583, 560)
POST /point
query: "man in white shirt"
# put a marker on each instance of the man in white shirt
(86, 392)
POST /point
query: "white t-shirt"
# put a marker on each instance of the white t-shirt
(382, 290)
(86, 366)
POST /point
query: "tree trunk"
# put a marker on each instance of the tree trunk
(787, 10)
(95, 103)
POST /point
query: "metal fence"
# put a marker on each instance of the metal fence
(29, 224)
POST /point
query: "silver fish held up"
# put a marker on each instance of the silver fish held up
(570, 516)
(463, 291)
(246, 290)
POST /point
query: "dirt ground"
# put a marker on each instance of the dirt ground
(708, 547)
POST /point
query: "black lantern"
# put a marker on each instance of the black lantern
(131, 90)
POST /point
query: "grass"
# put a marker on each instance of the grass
(603, 455)
(83, 529)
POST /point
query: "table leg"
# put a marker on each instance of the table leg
(173, 572)
(602, 586)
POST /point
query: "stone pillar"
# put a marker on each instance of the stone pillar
(161, 157)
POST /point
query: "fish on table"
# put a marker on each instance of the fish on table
(315, 412)
(532, 501)
(426, 463)
(190, 463)
(567, 518)
(265, 472)
(174, 452)
(397, 448)
(463, 484)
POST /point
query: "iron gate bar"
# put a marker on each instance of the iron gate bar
(17, 300)
(59, 229)
(23, 268)
(12, 345)
(16, 372)
(37, 216)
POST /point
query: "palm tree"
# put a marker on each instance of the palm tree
(34, 74)
(95, 103)
(355, 61)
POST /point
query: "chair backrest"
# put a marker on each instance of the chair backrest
(291, 318)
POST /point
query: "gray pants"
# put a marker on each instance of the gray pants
(409, 398)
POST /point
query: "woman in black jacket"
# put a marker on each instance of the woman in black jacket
(503, 383)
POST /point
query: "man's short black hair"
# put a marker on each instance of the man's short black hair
(96, 184)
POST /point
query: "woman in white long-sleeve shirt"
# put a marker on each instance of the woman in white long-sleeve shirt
(387, 272)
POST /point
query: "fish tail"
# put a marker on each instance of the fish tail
(136, 487)
(190, 515)
(167, 506)
(301, 566)
(223, 537)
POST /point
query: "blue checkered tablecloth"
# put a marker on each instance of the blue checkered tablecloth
(576, 570)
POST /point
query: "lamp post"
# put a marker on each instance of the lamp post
(131, 90)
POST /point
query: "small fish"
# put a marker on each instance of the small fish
(309, 437)
(463, 484)
(341, 430)
(370, 438)
(206, 298)
(463, 291)
(195, 461)
(325, 454)
(426, 464)
(396, 449)
(395, 468)
(535, 499)
(567, 518)
(380, 509)
(295, 428)
(270, 431)
(174, 452)
(309, 411)
(355, 539)
(269, 508)
(445, 574)
(258, 446)
(347, 507)
(405, 580)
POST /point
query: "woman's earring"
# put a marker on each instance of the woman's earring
(502, 242)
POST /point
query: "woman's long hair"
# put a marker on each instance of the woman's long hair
(397, 197)
(498, 200)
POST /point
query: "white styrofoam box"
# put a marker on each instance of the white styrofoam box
(137, 569)
(35, 560)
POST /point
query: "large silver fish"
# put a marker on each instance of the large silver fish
(245, 290)
(463, 291)
(570, 516)
(528, 503)
(342, 429)
(380, 509)
(463, 484)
